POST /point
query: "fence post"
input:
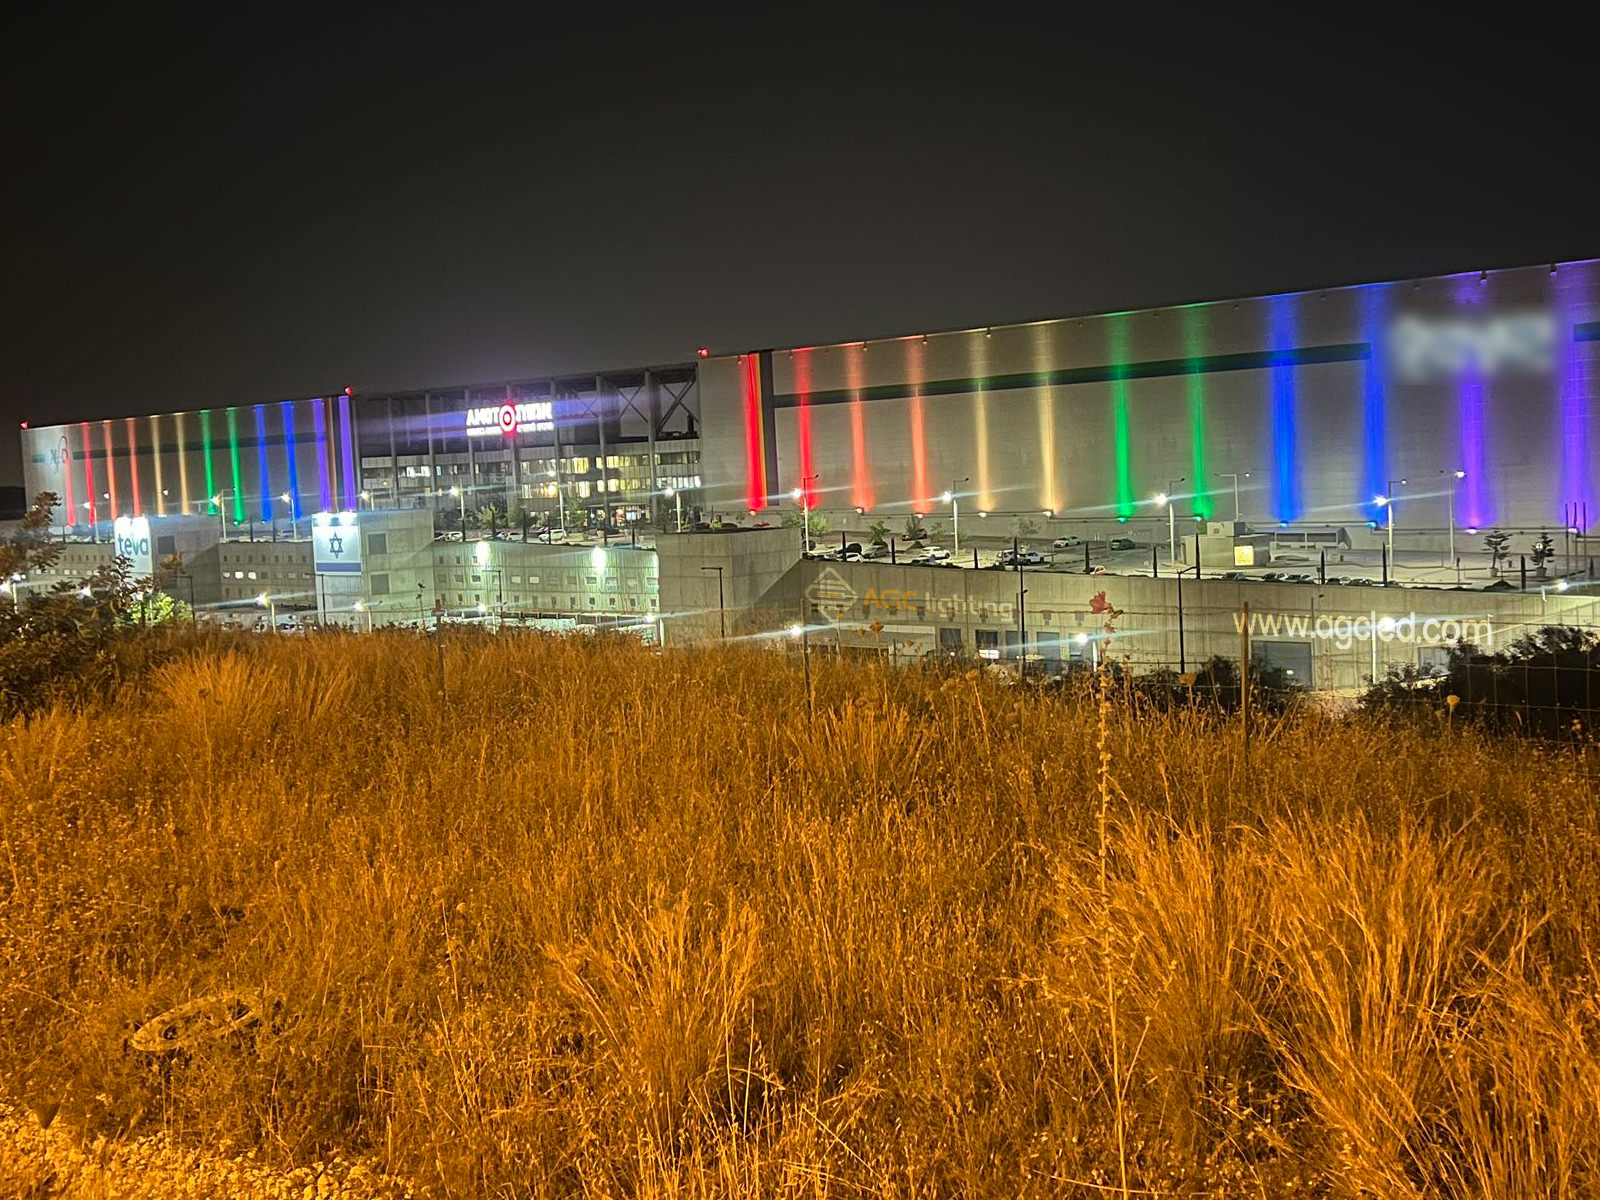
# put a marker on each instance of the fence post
(1244, 674)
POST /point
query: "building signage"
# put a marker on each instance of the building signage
(133, 543)
(336, 544)
(1345, 631)
(1438, 347)
(525, 416)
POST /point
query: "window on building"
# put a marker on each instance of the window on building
(377, 543)
(379, 584)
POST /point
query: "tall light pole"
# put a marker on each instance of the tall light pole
(1450, 479)
(1167, 498)
(953, 499)
(802, 496)
(222, 513)
(268, 603)
(677, 501)
(1235, 478)
(1387, 501)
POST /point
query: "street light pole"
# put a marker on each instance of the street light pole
(1235, 478)
(1167, 497)
(1387, 500)
(802, 496)
(1452, 477)
(954, 498)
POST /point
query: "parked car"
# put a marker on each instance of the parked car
(936, 554)
(1123, 543)
(1028, 558)
(1066, 543)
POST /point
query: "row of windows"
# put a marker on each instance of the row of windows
(555, 602)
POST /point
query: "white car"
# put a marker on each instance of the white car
(936, 554)
(1066, 543)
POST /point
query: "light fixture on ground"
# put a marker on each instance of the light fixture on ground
(676, 497)
(271, 605)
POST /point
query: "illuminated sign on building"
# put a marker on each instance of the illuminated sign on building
(336, 544)
(525, 416)
(133, 543)
(1434, 347)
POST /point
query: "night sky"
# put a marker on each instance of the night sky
(238, 204)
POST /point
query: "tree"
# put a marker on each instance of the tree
(878, 531)
(1024, 527)
(30, 547)
(1544, 549)
(1495, 543)
(936, 532)
(914, 530)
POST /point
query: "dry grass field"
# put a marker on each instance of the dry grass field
(518, 917)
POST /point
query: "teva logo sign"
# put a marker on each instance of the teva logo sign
(528, 416)
(132, 536)
(1435, 347)
(336, 544)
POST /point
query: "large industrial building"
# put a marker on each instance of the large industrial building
(1395, 424)
(1325, 399)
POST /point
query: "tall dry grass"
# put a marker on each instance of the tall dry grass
(556, 918)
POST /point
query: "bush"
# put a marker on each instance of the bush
(1546, 683)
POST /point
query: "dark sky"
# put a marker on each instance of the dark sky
(241, 203)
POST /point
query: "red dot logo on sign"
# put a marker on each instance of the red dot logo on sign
(508, 418)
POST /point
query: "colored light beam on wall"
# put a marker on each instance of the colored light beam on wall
(183, 462)
(860, 475)
(289, 453)
(133, 468)
(319, 430)
(348, 441)
(920, 501)
(155, 454)
(802, 386)
(980, 418)
(111, 467)
(233, 458)
(66, 475)
(1472, 422)
(211, 471)
(1194, 345)
(88, 477)
(1045, 404)
(1285, 433)
(1575, 470)
(1117, 331)
(1374, 404)
(263, 478)
(755, 459)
